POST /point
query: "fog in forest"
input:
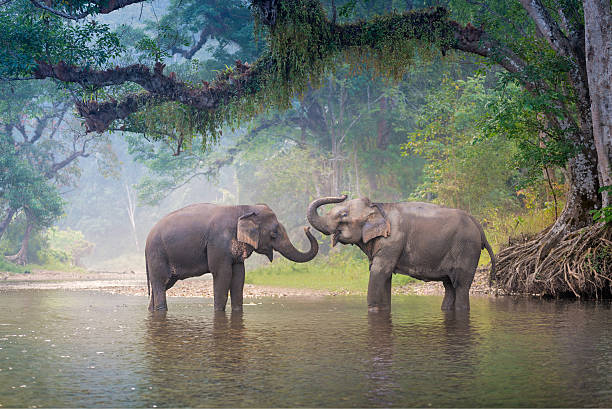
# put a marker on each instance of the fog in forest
(455, 128)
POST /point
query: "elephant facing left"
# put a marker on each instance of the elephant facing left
(208, 238)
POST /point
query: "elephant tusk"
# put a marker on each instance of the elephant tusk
(335, 239)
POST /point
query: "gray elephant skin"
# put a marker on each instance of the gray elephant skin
(208, 238)
(422, 240)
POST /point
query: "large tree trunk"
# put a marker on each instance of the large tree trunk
(22, 255)
(7, 220)
(598, 46)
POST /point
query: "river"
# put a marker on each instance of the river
(90, 349)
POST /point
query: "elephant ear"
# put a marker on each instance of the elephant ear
(377, 224)
(248, 230)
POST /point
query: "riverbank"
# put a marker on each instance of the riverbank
(134, 283)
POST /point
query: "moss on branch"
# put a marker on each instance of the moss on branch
(303, 46)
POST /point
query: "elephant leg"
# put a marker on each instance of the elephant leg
(171, 281)
(379, 287)
(448, 303)
(221, 284)
(158, 297)
(462, 291)
(462, 301)
(159, 271)
(237, 286)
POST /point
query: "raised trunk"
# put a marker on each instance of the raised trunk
(313, 216)
(7, 220)
(287, 249)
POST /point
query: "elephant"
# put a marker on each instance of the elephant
(422, 240)
(209, 238)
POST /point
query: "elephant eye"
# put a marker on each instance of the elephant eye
(344, 214)
(274, 234)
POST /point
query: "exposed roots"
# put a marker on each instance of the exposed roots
(578, 263)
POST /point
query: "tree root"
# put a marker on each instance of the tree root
(577, 263)
(20, 258)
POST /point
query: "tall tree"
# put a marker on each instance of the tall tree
(42, 145)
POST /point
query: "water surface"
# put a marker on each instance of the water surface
(68, 348)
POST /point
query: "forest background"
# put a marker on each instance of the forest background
(454, 129)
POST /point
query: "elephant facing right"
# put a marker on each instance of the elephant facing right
(422, 240)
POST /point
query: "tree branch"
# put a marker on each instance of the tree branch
(228, 85)
(188, 54)
(56, 167)
(103, 7)
(548, 27)
(60, 118)
(244, 79)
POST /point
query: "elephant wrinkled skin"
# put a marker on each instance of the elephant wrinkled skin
(208, 238)
(422, 240)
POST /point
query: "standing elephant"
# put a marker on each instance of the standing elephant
(422, 240)
(208, 238)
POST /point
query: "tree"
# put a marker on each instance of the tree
(466, 168)
(41, 149)
(547, 56)
(23, 188)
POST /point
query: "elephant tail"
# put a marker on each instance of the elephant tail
(486, 245)
(490, 250)
(148, 281)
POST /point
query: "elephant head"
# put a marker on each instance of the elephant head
(358, 220)
(260, 229)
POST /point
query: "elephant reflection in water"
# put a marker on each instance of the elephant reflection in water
(418, 346)
(458, 337)
(185, 355)
(381, 385)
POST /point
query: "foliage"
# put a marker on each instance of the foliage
(605, 213)
(284, 168)
(65, 246)
(53, 249)
(22, 186)
(520, 116)
(7, 266)
(42, 36)
(464, 169)
(11, 241)
(228, 22)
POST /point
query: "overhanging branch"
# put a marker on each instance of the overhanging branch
(159, 88)
(243, 79)
(98, 7)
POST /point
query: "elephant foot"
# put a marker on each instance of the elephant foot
(219, 309)
(448, 307)
(237, 309)
(379, 308)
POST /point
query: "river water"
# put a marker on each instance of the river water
(70, 348)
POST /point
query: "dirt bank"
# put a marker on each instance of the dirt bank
(134, 283)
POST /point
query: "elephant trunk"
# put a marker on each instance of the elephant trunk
(286, 248)
(313, 216)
